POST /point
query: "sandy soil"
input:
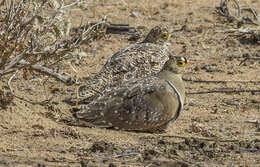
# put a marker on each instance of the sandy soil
(215, 129)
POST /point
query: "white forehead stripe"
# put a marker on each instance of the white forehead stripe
(184, 59)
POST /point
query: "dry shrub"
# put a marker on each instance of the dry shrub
(37, 32)
(37, 35)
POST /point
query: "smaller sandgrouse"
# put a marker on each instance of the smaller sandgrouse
(138, 60)
(147, 104)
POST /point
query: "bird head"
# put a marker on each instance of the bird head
(157, 35)
(174, 63)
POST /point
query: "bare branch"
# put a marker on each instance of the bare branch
(13, 62)
(247, 57)
(225, 91)
(226, 9)
(10, 80)
(219, 81)
(48, 71)
(199, 138)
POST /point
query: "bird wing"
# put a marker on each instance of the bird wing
(135, 105)
(135, 61)
(93, 88)
(138, 60)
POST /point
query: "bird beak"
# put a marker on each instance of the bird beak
(191, 62)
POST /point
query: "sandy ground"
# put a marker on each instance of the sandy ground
(215, 129)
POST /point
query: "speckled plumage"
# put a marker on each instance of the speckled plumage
(137, 60)
(142, 104)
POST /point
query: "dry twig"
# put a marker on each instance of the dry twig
(21, 98)
(225, 10)
(199, 138)
(253, 32)
(219, 81)
(247, 57)
(48, 71)
(233, 12)
(225, 91)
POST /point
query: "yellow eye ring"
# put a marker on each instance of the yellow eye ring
(164, 36)
(180, 63)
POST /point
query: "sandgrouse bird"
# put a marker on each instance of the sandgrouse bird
(147, 104)
(138, 60)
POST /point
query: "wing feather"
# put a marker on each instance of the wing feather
(127, 107)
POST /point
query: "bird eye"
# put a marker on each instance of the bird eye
(164, 36)
(180, 63)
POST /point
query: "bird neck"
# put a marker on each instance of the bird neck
(153, 41)
(172, 69)
(169, 75)
(175, 79)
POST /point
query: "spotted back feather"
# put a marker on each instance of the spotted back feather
(138, 60)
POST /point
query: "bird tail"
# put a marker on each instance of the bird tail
(92, 118)
(90, 90)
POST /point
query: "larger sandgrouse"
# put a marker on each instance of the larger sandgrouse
(145, 104)
(137, 60)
